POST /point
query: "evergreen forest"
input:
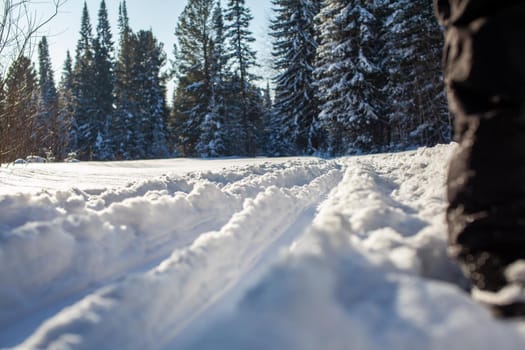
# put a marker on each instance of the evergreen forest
(350, 77)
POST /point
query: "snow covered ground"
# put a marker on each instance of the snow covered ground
(290, 253)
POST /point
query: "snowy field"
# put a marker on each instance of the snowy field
(290, 253)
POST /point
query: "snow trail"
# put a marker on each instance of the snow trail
(186, 282)
(370, 273)
(85, 239)
(282, 254)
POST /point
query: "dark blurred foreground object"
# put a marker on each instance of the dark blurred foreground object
(484, 67)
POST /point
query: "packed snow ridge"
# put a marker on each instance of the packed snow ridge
(289, 253)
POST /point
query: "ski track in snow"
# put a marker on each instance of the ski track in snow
(60, 244)
(256, 254)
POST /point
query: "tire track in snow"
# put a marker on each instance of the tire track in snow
(387, 205)
(412, 209)
(81, 248)
(161, 301)
(353, 281)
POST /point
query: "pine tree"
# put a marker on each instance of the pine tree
(194, 63)
(85, 93)
(19, 125)
(294, 47)
(48, 128)
(104, 79)
(242, 58)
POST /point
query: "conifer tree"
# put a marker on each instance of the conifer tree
(124, 120)
(212, 132)
(331, 73)
(48, 128)
(269, 129)
(104, 66)
(294, 47)
(18, 121)
(219, 62)
(194, 64)
(66, 110)
(213, 140)
(257, 115)
(367, 101)
(412, 51)
(139, 124)
(242, 59)
(349, 75)
(85, 95)
(150, 132)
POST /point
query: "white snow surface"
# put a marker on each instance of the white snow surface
(286, 253)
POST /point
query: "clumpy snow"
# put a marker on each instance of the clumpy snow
(289, 253)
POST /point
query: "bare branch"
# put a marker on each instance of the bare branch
(19, 27)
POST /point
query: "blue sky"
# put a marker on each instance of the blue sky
(159, 15)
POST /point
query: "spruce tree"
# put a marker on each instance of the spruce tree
(48, 128)
(20, 110)
(367, 101)
(294, 47)
(349, 76)
(104, 79)
(213, 140)
(219, 68)
(89, 127)
(150, 132)
(139, 126)
(378, 75)
(193, 66)
(417, 110)
(242, 59)
(331, 72)
(124, 120)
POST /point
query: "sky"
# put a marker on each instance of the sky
(159, 15)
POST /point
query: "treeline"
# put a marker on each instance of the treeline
(352, 76)
(357, 76)
(107, 106)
